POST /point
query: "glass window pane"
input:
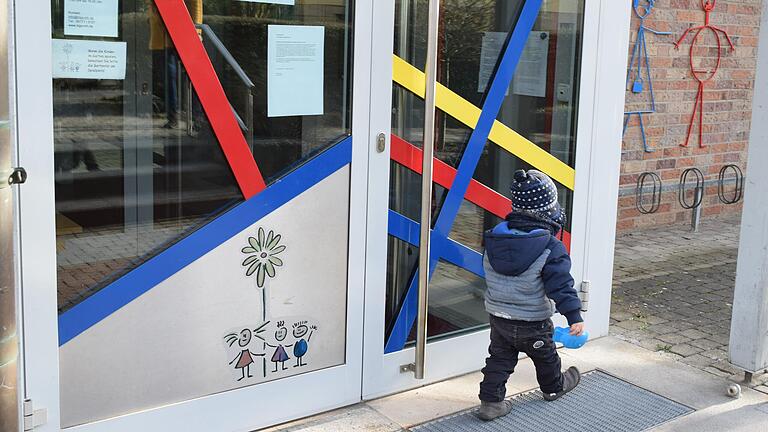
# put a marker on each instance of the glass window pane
(138, 165)
(541, 103)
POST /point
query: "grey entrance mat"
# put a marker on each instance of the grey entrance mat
(601, 402)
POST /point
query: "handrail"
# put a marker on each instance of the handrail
(239, 120)
(249, 85)
(226, 54)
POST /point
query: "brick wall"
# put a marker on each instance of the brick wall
(727, 106)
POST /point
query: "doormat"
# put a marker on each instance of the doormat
(601, 402)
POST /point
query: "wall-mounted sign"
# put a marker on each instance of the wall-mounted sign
(531, 74)
(280, 2)
(88, 59)
(295, 70)
(90, 18)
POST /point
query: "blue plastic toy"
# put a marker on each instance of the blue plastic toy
(562, 335)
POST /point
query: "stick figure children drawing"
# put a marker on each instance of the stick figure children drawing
(245, 358)
(301, 346)
(280, 356)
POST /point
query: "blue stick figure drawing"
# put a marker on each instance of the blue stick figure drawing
(637, 75)
(300, 348)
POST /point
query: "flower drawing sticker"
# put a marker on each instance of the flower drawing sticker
(263, 256)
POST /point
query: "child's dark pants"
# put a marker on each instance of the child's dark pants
(508, 339)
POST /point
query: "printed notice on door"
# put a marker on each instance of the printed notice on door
(490, 49)
(90, 18)
(295, 70)
(88, 59)
(531, 75)
(279, 2)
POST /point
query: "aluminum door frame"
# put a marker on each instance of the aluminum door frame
(598, 158)
(341, 384)
(11, 378)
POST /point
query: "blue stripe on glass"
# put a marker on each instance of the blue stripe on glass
(168, 262)
(494, 97)
(452, 251)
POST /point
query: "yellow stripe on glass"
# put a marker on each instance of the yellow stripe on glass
(464, 111)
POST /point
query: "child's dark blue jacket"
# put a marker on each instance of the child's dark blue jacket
(526, 268)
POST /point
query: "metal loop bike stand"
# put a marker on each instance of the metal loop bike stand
(698, 194)
(642, 182)
(738, 191)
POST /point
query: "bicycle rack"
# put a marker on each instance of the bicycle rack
(698, 195)
(738, 191)
(642, 181)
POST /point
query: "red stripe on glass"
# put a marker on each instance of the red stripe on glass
(409, 156)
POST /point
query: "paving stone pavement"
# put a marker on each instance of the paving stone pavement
(673, 294)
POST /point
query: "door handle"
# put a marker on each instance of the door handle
(426, 189)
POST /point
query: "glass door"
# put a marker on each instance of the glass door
(203, 154)
(488, 125)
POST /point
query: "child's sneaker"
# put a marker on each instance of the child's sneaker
(492, 410)
(571, 379)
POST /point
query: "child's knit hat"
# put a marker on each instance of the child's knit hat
(535, 192)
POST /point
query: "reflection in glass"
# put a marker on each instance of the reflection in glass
(541, 105)
(456, 302)
(137, 163)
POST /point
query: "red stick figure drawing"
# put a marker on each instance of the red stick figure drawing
(703, 76)
(245, 358)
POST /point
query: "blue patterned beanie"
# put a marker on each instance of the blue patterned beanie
(534, 192)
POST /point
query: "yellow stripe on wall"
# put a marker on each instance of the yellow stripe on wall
(464, 111)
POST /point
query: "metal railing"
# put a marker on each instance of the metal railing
(248, 85)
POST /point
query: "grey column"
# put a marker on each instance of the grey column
(749, 326)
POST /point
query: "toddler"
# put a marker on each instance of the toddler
(526, 268)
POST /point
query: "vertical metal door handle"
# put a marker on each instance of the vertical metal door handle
(426, 188)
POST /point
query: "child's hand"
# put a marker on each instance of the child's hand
(577, 329)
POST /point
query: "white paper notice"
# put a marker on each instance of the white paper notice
(280, 2)
(489, 54)
(531, 74)
(295, 70)
(88, 59)
(90, 18)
